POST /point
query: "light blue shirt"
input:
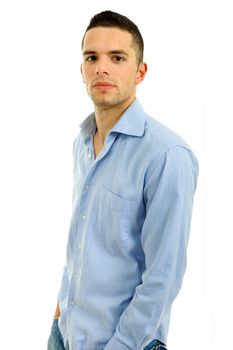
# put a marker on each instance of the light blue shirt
(126, 253)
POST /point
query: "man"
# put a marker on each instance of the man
(134, 182)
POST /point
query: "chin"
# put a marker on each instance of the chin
(103, 102)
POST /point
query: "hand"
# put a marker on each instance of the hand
(57, 312)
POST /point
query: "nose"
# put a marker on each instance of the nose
(102, 66)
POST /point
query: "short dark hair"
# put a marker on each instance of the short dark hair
(115, 20)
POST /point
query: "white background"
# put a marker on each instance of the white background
(188, 48)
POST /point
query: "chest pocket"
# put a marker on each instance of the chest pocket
(113, 218)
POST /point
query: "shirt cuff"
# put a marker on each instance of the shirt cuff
(114, 344)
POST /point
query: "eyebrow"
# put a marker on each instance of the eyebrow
(116, 52)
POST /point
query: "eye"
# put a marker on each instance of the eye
(117, 58)
(91, 58)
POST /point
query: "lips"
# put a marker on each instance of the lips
(103, 84)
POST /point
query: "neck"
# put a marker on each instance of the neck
(107, 117)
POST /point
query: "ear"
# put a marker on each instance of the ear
(81, 70)
(141, 73)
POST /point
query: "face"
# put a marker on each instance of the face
(110, 69)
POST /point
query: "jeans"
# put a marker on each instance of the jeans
(55, 341)
(154, 344)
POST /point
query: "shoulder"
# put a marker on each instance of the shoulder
(163, 144)
(161, 136)
(76, 143)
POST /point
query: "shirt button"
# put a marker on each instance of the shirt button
(75, 275)
(89, 154)
(72, 303)
(84, 216)
(79, 245)
(87, 187)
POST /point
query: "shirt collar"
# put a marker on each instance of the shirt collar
(132, 122)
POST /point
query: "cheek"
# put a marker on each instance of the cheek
(128, 79)
(87, 74)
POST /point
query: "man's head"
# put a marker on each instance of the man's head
(109, 19)
(112, 60)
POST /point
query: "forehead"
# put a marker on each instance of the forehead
(107, 39)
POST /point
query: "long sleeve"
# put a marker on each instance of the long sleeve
(168, 197)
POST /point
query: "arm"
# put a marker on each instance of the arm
(57, 312)
(168, 196)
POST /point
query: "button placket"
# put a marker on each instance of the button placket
(84, 216)
(75, 275)
(89, 154)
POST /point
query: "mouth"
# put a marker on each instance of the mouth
(103, 85)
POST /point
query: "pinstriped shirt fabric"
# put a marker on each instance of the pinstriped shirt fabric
(130, 224)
